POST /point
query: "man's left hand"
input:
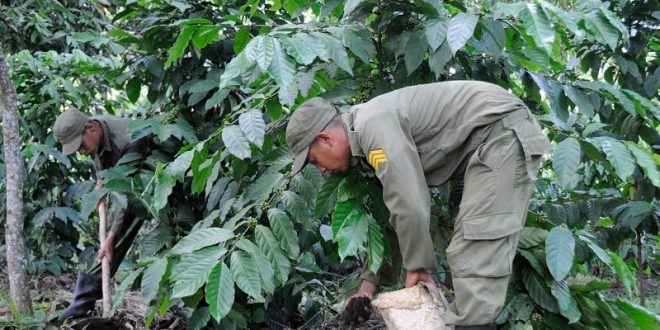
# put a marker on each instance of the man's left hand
(420, 275)
(108, 247)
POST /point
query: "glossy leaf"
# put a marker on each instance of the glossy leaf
(376, 247)
(236, 142)
(298, 47)
(200, 239)
(284, 231)
(245, 273)
(193, 270)
(281, 68)
(335, 50)
(151, 279)
(539, 291)
(625, 276)
(646, 162)
(352, 235)
(253, 126)
(567, 304)
(327, 196)
(538, 26)
(436, 31)
(118, 298)
(220, 291)
(415, 51)
(566, 161)
(270, 246)
(177, 50)
(559, 252)
(265, 48)
(644, 318)
(459, 29)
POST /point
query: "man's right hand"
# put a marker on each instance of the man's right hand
(358, 309)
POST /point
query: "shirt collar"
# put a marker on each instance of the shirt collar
(347, 120)
(107, 143)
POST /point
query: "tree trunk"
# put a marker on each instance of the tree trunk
(15, 242)
(640, 269)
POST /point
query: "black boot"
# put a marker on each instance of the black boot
(88, 291)
(491, 326)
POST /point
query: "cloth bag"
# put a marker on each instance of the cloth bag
(420, 307)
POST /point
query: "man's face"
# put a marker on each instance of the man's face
(91, 140)
(329, 154)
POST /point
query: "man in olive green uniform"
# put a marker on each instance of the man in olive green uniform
(422, 136)
(106, 140)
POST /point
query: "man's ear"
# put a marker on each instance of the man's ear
(90, 126)
(324, 137)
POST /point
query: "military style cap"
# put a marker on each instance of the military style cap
(307, 121)
(68, 130)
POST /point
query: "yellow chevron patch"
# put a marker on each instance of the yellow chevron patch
(377, 157)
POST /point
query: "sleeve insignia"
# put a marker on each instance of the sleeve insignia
(377, 157)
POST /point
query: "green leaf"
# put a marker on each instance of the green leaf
(89, 202)
(284, 231)
(270, 246)
(645, 161)
(298, 47)
(566, 161)
(624, 274)
(643, 317)
(415, 51)
(601, 30)
(298, 208)
(327, 196)
(591, 286)
(436, 31)
(265, 48)
(538, 26)
(177, 50)
(534, 262)
(632, 214)
(220, 291)
(118, 298)
(597, 250)
(559, 252)
(241, 39)
(350, 5)
(193, 270)
(567, 304)
(199, 318)
(642, 104)
(580, 99)
(200, 239)
(245, 273)
(235, 68)
(253, 126)
(619, 156)
(162, 190)
(459, 29)
(205, 35)
(615, 92)
(538, 290)
(281, 68)
(151, 279)
(266, 272)
(335, 50)
(346, 211)
(360, 43)
(263, 186)
(237, 144)
(352, 235)
(439, 59)
(376, 247)
(133, 87)
(531, 237)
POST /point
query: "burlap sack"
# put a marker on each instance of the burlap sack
(416, 308)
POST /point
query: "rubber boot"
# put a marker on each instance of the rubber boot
(491, 326)
(88, 291)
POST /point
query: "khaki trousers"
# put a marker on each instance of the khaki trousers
(498, 178)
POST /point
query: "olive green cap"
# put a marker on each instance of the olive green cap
(308, 120)
(68, 129)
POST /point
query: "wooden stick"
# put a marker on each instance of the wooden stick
(105, 263)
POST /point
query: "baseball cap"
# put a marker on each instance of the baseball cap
(307, 121)
(68, 129)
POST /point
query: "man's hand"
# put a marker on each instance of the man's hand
(420, 275)
(107, 247)
(358, 309)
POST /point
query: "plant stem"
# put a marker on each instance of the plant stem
(640, 269)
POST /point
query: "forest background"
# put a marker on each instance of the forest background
(235, 241)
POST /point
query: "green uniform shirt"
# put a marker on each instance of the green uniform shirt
(116, 144)
(417, 137)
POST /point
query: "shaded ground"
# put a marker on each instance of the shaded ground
(52, 294)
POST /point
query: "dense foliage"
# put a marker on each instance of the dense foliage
(240, 241)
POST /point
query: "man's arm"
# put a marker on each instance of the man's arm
(390, 149)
